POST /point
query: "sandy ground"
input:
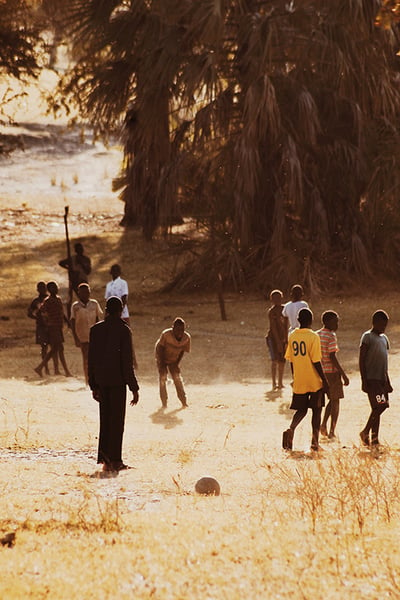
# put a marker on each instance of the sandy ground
(57, 168)
(232, 429)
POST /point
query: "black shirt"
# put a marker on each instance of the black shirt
(110, 359)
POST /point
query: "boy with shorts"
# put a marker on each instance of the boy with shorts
(332, 369)
(53, 315)
(277, 338)
(42, 336)
(169, 350)
(309, 381)
(375, 381)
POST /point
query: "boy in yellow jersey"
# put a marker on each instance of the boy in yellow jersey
(309, 381)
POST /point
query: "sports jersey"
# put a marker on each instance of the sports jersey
(328, 345)
(304, 349)
(376, 360)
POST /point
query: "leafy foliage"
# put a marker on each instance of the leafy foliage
(274, 124)
(19, 39)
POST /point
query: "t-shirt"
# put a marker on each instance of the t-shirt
(172, 346)
(376, 359)
(304, 349)
(118, 287)
(291, 310)
(328, 345)
(85, 316)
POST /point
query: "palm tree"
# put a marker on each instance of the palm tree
(273, 124)
(19, 39)
(20, 56)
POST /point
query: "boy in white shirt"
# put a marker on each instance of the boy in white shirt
(118, 287)
(291, 309)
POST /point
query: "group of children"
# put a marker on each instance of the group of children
(48, 311)
(312, 355)
(316, 370)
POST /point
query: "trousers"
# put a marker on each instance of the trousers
(175, 373)
(112, 407)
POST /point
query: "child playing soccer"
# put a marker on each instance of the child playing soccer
(169, 350)
(309, 381)
(375, 381)
(332, 369)
(277, 338)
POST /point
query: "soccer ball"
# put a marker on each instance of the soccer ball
(208, 486)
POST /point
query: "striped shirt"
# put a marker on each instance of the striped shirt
(53, 312)
(328, 345)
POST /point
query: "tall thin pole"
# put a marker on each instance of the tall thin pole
(70, 285)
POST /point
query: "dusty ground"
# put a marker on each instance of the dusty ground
(231, 430)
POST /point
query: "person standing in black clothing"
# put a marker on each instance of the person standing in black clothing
(110, 368)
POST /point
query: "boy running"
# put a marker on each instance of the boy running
(309, 381)
(332, 369)
(375, 381)
(277, 338)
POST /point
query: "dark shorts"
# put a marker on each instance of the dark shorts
(42, 335)
(310, 400)
(335, 386)
(274, 355)
(56, 337)
(378, 395)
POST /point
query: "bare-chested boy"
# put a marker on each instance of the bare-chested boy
(277, 338)
(169, 350)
